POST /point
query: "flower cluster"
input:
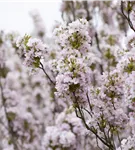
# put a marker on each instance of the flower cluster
(68, 133)
(127, 144)
(33, 50)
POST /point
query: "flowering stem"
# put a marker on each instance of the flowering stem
(110, 146)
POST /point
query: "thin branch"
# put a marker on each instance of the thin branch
(87, 112)
(42, 67)
(99, 49)
(87, 10)
(127, 17)
(119, 139)
(98, 144)
(73, 10)
(97, 41)
(92, 130)
(89, 101)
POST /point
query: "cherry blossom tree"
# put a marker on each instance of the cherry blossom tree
(76, 90)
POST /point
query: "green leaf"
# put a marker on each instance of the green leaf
(11, 116)
(36, 62)
(73, 87)
(130, 67)
(1, 41)
(31, 135)
(3, 72)
(10, 141)
(52, 94)
(111, 40)
(26, 39)
(26, 124)
(53, 55)
(93, 66)
(108, 54)
(75, 40)
(133, 99)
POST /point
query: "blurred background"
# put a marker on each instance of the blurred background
(15, 15)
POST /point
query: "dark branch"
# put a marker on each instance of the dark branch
(42, 67)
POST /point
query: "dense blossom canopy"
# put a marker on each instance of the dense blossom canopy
(76, 90)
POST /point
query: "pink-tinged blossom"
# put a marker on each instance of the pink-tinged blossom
(127, 144)
(77, 93)
(75, 36)
(55, 137)
(33, 50)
